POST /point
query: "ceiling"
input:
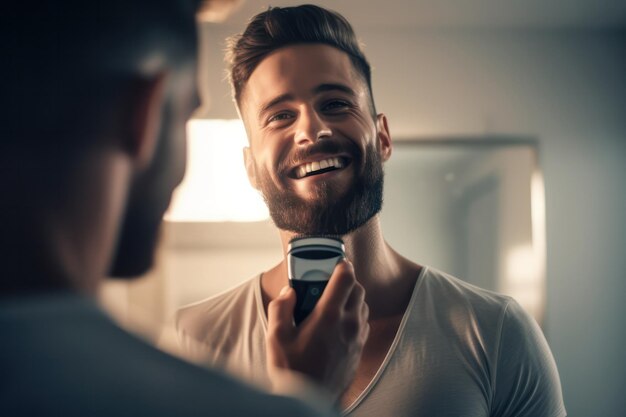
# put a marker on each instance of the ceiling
(461, 14)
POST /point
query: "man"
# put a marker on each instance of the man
(437, 346)
(94, 101)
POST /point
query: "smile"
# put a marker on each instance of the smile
(319, 167)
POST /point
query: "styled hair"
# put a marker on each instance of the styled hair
(278, 27)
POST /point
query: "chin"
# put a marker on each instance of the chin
(134, 254)
(131, 267)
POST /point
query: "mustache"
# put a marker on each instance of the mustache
(324, 146)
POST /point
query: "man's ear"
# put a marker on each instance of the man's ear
(248, 160)
(384, 137)
(147, 97)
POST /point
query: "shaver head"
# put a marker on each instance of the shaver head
(313, 258)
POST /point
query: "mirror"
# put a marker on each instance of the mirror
(473, 208)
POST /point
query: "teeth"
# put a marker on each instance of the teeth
(307, 168)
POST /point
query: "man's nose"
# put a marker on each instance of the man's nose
(310, 128)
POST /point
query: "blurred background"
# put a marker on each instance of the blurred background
(509, 122)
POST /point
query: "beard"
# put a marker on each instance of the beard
(329, 212)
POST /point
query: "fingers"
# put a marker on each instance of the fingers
(365, 329)
(280, 314)
(355, 314)
(339, 287)
(343, 303)
(356, 298)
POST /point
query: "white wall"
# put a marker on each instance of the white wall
(567, 89)
(416, 209)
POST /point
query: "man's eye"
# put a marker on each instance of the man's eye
(335, 105)
(279, 117)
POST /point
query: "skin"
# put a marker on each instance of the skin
(314, 106)
(288, 104)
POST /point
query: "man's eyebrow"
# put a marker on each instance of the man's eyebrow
(334, 87)
(274, 102)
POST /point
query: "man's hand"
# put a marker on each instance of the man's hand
(327, 346)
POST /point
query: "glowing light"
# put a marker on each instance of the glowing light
(521, 266)
(526, 263)
(538, 213)
(523, 281)
(216, 187)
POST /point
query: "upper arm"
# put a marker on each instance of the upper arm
(527, 380)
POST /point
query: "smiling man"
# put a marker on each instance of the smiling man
(298, 101)
(437, 346)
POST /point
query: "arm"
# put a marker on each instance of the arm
(527, 380)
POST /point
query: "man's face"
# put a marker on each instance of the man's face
(316, 151)
(151, 192)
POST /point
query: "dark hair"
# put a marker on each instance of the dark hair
(278, 27)
(65, 70)
(62, 59)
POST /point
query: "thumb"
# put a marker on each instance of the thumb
(280, 314)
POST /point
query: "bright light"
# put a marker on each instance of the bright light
(538, 201)
(216, 187)
(521, 267)
(526, 263)
(523, 281)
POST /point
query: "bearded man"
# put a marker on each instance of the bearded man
(437, 346)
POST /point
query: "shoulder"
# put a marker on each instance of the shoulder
(200, 391)
(43, 329)
(526, 374)
(448, 290)
(511, 323)
(462, 312)
(522, 340)
(205, 317)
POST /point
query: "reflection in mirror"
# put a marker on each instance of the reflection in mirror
(472, 208)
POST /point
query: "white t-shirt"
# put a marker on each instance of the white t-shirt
(459, 351)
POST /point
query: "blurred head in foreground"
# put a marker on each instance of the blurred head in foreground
(94, 102)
